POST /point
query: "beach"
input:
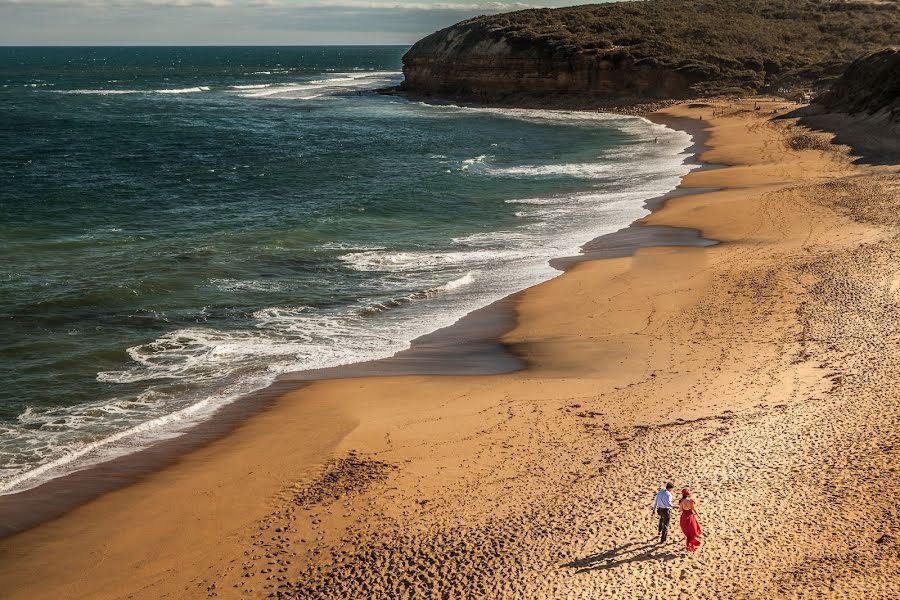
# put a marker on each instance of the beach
(758, 372)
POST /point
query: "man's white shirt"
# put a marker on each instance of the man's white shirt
(664, 499)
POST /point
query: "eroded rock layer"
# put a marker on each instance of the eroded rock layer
(651, 50)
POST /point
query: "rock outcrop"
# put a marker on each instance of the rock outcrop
(466, 62)
(862, 108)
(628, 52)
(871, 85)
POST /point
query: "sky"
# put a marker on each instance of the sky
(239, 22)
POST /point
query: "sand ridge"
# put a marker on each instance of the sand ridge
(758, 372)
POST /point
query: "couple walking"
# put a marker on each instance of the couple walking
(663, 506)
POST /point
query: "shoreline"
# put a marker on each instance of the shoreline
(470, 346)
(736, 369)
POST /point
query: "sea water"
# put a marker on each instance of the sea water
(180, 225)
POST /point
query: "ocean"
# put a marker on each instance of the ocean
(178, 226)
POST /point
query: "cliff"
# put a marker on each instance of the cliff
(870, 85)
(862, 108)
(650, 50)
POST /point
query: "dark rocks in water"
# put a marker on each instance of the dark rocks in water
(625, 52)
(870, 85)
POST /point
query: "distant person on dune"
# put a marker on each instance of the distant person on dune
(690, 526)
(662, 506)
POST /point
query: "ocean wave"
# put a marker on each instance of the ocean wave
(424, 261)
(544, 200)
(101, 92)
(467, 163)
(298, 336)
(187, 90)
(559, 211)
(467, 279)
(506, 239)
(597, 200)
(63, 433)
(578, 170)
(534, 114)
(285, 338)
(306, 90)
(303, 90)
(242, 285)
(278, 314)
(345, 246)
(385, 305)
(640, 129)
(200, 354)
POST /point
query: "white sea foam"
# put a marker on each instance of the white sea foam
(507, 239)
(580, 170)
(423, 261)
(467, 279)
(531, 114)
(247, 285)
(347, 246)
(99, 92)
(336, 84)
(187, 90)
(79, 453)
(547, 200)
(467, 163)
(199, 354)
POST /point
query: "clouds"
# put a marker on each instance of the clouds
(230, 22)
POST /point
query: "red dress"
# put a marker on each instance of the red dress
(690, 526)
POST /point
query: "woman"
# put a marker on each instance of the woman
(689, 523)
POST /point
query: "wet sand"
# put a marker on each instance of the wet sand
(759, 372)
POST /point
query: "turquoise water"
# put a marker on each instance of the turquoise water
(180, 225)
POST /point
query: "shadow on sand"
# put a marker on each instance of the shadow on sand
(622, 555)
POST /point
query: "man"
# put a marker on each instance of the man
(663, 507)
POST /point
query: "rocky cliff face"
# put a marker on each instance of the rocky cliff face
(467, 63)
(870, 85)
(862, 108)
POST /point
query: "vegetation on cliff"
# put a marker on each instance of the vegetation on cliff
(713, 46)
(871, 84)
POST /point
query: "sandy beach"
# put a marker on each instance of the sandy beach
(759, 372)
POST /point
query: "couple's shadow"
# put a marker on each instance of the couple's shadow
(622, 555)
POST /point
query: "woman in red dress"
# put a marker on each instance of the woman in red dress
(689, 523)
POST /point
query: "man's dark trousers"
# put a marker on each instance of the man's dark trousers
(664, 515)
